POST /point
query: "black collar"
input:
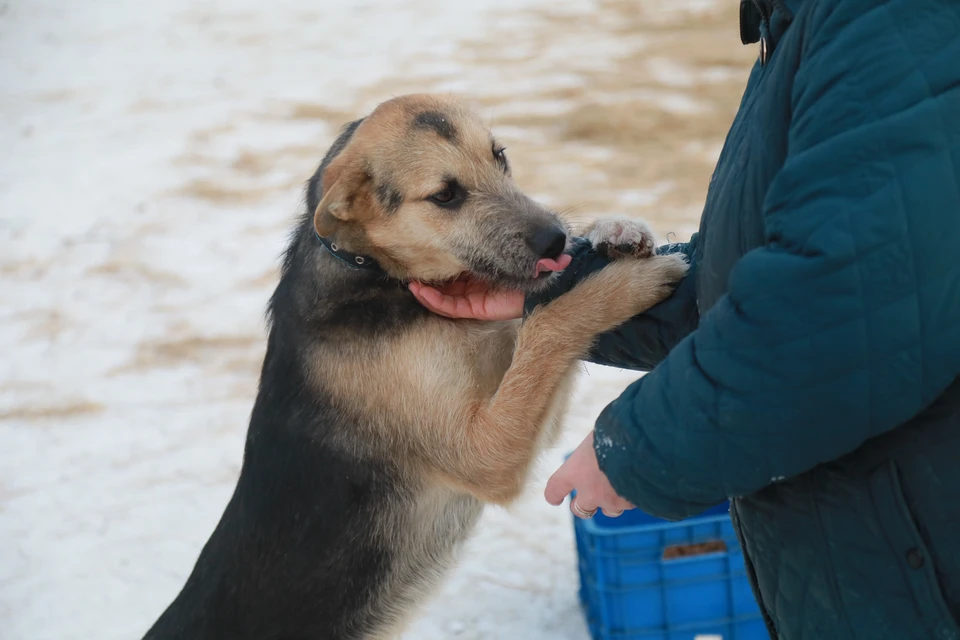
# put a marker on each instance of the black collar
(352, 260)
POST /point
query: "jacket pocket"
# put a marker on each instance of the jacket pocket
(899, 527)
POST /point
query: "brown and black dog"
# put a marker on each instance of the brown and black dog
(380, 429)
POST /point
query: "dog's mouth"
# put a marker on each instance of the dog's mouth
(529, 279)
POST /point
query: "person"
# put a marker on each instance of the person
(807, 367)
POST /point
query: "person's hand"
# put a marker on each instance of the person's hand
(582, 472)
(469, 298)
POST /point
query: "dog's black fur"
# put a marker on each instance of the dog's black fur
(292, 557)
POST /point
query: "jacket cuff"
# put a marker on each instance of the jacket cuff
(618, 443)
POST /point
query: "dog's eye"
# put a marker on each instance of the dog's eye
(451, 196)
(501, 158)
(444, 196)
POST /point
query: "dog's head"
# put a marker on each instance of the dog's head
(423, 187)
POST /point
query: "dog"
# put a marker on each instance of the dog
(380, 430)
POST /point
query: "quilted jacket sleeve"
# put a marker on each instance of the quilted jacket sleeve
(847, 322)
(645, 340)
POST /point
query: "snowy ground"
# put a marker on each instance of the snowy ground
(153, 160)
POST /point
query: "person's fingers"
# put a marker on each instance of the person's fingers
(558, 486)
(441, 299)
(457, 287)
(613, 505)
(583, 507)
(468, 299)
(417, 289)
(437, 302)
(500, 305)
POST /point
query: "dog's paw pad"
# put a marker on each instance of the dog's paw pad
(622, 238)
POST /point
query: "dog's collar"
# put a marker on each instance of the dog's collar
(352, 260)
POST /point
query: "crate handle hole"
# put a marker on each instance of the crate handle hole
(677, 551)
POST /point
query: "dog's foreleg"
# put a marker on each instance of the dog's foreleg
(499, 442)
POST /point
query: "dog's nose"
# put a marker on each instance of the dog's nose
(548, 242)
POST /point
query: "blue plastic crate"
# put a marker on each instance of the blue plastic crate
(629, 592)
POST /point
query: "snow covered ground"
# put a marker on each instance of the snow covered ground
(153, 156)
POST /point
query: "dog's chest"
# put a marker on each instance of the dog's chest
(424, 541)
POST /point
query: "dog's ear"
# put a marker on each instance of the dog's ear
(346, 196)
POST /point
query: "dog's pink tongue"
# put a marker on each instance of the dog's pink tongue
(546, 264)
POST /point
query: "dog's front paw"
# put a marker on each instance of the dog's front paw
(622, 238)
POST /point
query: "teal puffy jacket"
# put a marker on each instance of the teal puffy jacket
(808, 365)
